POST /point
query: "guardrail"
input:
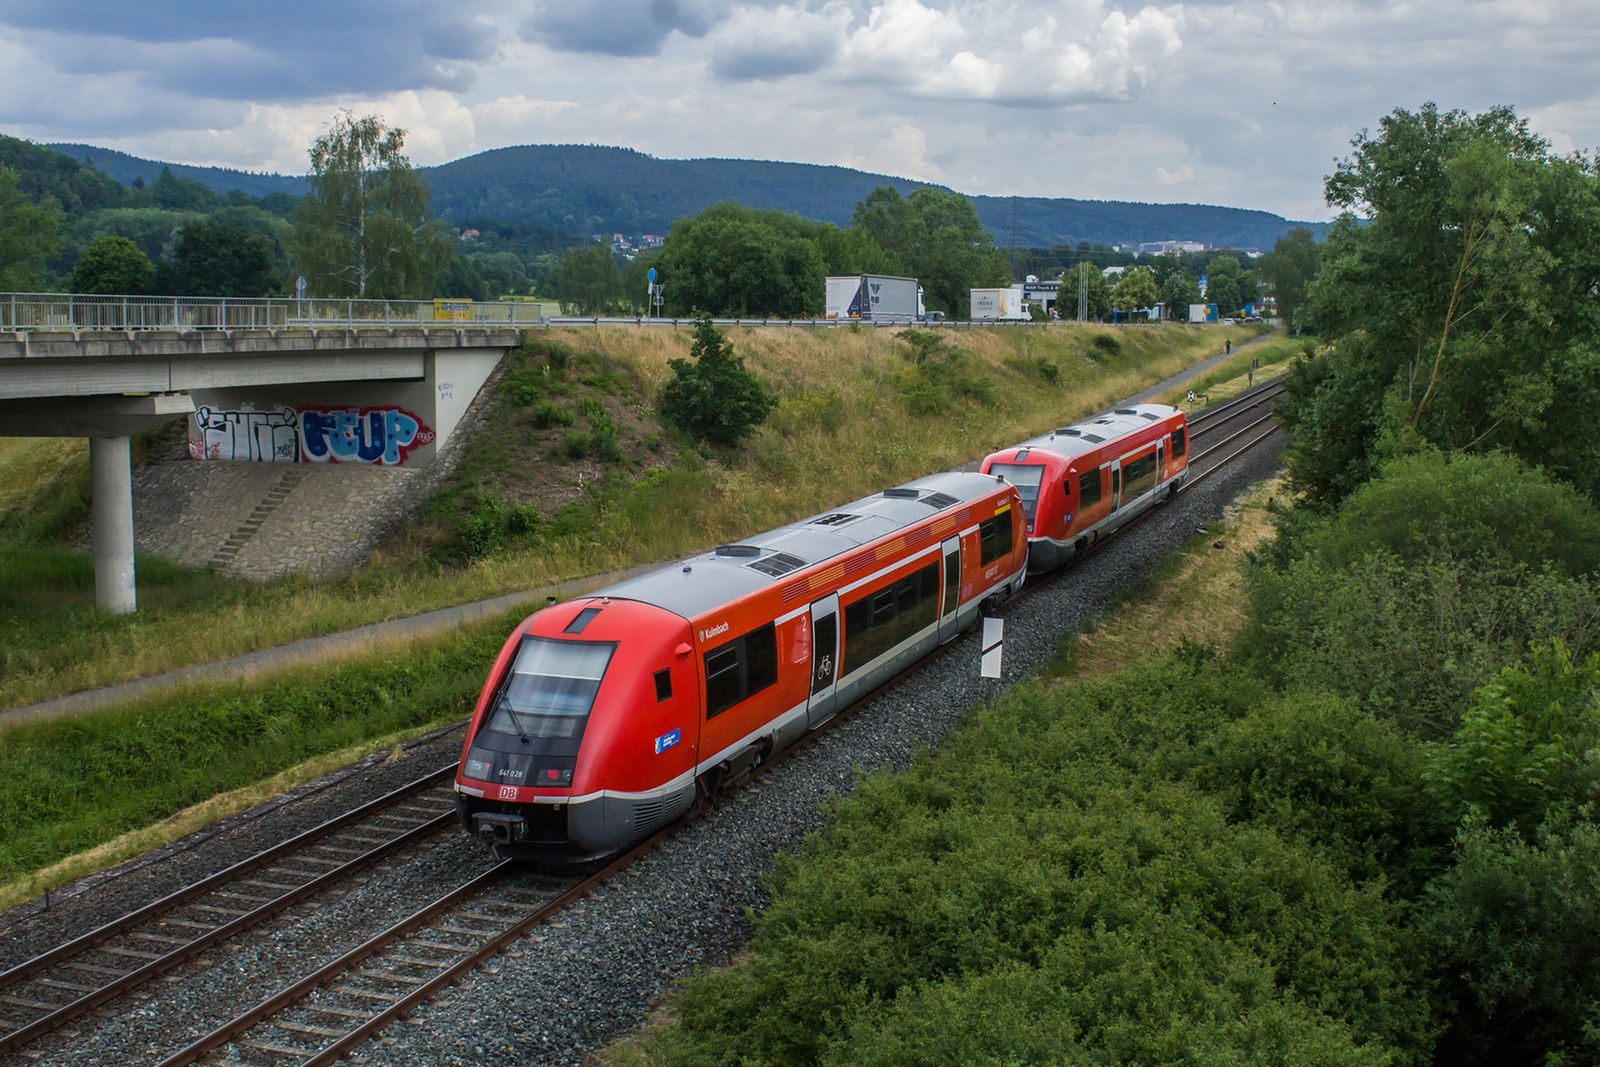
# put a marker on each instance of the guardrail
(77, 311)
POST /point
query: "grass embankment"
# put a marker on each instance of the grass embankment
(856, 415)
(82, 794)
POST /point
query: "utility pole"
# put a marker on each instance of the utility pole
(1083, 291)
(1014, 237)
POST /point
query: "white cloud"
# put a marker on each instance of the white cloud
(1184, 173)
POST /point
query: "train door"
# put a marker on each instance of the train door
(1116, 484)
(824, 659)
(950, 604)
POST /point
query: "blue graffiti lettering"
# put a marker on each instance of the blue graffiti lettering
(377, 435)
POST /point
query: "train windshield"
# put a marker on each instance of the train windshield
(551, 688)
(1026, 477)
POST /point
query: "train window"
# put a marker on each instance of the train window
(737, 670)
(995, 538)
(581, 620)
(1180, 441)
(879, 621)
(663, 685)
(952, 582)
(1088, 488)
(1026, 477)
(550, 688)
(1139, 477)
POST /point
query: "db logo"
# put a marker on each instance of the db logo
(508, 792)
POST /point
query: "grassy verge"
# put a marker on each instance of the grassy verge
(82, 794)
(856, 415)
(1231, 377)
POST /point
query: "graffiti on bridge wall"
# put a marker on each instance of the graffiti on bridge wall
(309, 434)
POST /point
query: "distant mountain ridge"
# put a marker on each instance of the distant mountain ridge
(597, 189)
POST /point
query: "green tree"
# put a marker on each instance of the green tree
(1460, 312)
(738, 262)
(936, 237)
(1136, 289)
(714, 397)
(112, 265)
(364, 229)
(1097, 291)
(214, 259)
(1287, 271)
(1222, 284)
(1178, 291)
(588, 280)
(28, 235)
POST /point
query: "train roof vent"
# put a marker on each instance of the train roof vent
(939, 501)
(1125, 411)
(1147, 415)
(837, 518)
(579, 621)
(1068, 431)
(1095, 438)
(738, 550)
(778, 564)
(901, 494)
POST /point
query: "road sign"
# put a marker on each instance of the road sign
(993, 642)
(651, 274)
(1190, 397)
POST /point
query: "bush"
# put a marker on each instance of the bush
(112, 265)
(1060, 883)
(714, 398)
(1106, 343)
(547, 415)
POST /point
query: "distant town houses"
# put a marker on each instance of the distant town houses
(1170, 248)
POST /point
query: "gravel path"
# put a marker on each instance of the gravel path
(596, 972)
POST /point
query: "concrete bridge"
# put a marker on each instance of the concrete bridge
(360, 392)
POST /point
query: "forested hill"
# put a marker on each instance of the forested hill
(595, 189)
(125, 168)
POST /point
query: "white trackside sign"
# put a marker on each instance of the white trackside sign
(993, 640)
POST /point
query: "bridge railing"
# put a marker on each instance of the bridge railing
(78, 311)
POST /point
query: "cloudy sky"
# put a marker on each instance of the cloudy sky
(1245, 103)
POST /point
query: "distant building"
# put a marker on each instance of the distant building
(1169, 248)
(1113, 273)
(468, 233)
(651, 240)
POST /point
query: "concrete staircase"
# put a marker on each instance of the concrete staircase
(259, 514)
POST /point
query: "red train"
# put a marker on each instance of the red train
(1083, 481)
(606, 716)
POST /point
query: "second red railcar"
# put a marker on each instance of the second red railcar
(1081, 482)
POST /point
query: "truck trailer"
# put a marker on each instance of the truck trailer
(992, 304)
(875, 298)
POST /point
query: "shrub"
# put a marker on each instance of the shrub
(113, 265)
(714, 397)
(601, 440)
(548, 415)
(1106, 343)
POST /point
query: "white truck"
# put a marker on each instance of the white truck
(992, 304)
(875, 298)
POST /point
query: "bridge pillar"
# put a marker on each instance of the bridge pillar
(111, 478)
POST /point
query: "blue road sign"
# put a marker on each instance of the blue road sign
(651, 275)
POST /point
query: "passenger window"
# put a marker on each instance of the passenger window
(877, 622)
(663, 685)
(952, 582)
(1180, 442)
(737, 670)
(1088, 488)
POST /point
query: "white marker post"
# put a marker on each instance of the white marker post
(994, 631)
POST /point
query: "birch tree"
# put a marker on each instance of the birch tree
(364, 229)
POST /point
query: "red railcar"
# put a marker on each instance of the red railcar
(604, 716)
(1083, 481)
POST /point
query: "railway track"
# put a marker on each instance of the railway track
(43, 994)
(339, 1006)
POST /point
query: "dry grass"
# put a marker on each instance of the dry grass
(842, 431)
(1199, 596)
(1231, 377)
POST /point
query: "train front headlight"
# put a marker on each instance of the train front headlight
(477, 765)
